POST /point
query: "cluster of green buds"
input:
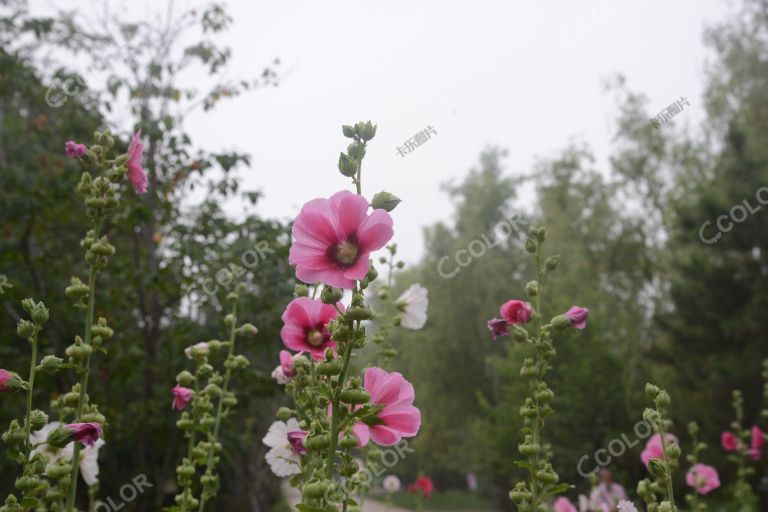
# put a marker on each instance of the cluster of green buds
(697, 447)
(658, 493)
(211, 399)
(350, 162)
(31, 484)
(742, 490)
(391, 310)
(543, 483)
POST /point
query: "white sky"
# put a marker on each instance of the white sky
(527, 76)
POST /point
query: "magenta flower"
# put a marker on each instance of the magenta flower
(305, 326)
(135, 173)
(286, 363)
(757, 443)
(516, 312)
(181, 397)
(653, 448)
(333, 239)
(86, 433)
(564, 505)
(75, 150)
(296, 440)
(703, 478)
(729, 441)
(395, 415)
(498, 327)
(577, 316)
(5, 376)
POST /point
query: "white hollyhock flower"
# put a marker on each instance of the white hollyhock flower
(279, 375)
(89, 463)
(626, 506)
(583, 503)
(201, 347)
(391, 484)
(413, 307)
(282, 459)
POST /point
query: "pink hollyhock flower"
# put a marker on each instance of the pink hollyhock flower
(86, 433)
(181, 397)
(296, 440)
(756, 444)
(498, 327)
(305, 326)
(423, 484)
(703, 478)
(9, 381)
(135, 173)
(75, 150)
(516, 312)
(577, 316)
(653, 448)
(729, 441)
(627, 506)
(395, 417)
(564, 505)
(333, 239)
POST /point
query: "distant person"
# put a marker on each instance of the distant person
(607, 494)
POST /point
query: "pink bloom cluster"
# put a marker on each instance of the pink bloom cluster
(653, 448)
(704, 479)
(518, 312)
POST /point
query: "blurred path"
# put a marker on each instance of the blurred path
(293, 496)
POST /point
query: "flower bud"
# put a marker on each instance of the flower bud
(552, 262)
(385, 201)
(284, 414)
(50, 364)
(15, 434)
(25, 329)
(318, 442)
(77, 290)
(347, 165)
(355, 396)
(651, 390)
(662, 400)
(247, 330)
(366, 130)
(519, 334)
(359, 313)
(301, 290)
(329, 368)
(315, 490)
(348, 442)
(11, 382)
(185, 379)
(356, 151)
(532, 288)
(37, 420)
(39, 313)
(27, 483)
(331, 295)
(531, 246)
(348, 131)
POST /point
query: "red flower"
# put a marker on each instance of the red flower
(423, 484)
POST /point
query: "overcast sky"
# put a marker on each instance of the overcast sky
(527, 76)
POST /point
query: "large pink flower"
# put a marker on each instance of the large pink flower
(333, 239)
(305, 326)
(396, 417)
(135, 172)
(564, 505)
(703, 478)
(729, 441)
(516, 312)
(653, 448)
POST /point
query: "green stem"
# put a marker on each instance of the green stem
(225, 388)
(539, 376)
(27, 425)
(667, 466)
(83, 386)
(335, 412)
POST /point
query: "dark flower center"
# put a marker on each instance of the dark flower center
(346, 253)
(315, 338)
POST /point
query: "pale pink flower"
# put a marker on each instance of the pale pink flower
(627, 506)
(135, 173)
(75, 150)
(729, 441)
(516, 312)
(653, 448)
(305, 326)
(333, 239)
(181, 397)
(757, 443)
(86, 433)
(577, 316)
(564, 505)
(283, 373)
(703, 478)
(397, 416)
